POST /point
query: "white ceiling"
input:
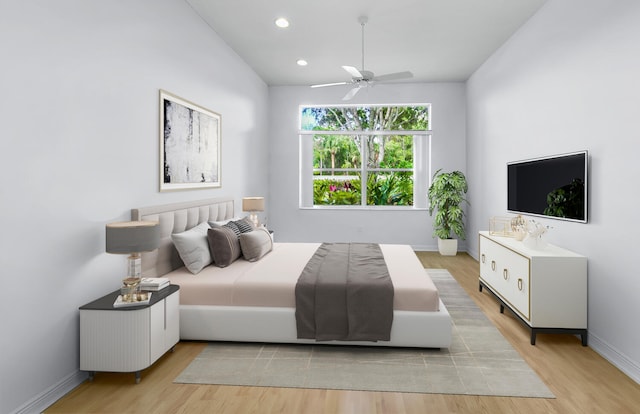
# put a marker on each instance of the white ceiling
(437, 40)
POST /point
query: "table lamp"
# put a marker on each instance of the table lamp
(132, 238)
(253, 205)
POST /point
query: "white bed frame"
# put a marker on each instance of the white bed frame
(261, 324)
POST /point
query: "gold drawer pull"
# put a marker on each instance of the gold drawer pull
(505, 274)
(483, 258)
(519, 284)
(493, 265)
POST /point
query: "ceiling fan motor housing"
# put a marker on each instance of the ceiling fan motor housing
(366, 76)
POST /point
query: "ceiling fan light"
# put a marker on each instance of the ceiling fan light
(282, 22)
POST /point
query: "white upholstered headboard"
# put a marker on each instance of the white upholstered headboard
(176, 218)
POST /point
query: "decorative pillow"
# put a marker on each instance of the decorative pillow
(233, 227)
(222, 222)
(255, 244)
(244, 225)
(241, 222)
(193, 247)
(224, 245)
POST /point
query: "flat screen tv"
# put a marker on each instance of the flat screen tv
(553, 186)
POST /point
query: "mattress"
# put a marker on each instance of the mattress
(271, 281)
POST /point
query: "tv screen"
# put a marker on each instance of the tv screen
(554, 186)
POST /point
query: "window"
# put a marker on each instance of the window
(375, 155)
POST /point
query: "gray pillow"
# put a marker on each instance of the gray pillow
(224, 245)
(193, 247)
(255, 244)
(244, 225)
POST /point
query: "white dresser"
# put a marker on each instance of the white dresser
(128, 339)
(546, 288)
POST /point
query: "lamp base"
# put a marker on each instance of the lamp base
(254, 219)
(131, 289)
(134, 265)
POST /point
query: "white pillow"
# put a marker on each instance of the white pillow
(193, 247)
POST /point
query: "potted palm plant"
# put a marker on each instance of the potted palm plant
(446, 195)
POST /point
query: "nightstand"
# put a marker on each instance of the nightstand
(128, 339)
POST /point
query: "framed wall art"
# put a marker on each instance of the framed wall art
(190, 138)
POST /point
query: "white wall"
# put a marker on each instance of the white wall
(568, 80)
(79, 142)
(413, 227)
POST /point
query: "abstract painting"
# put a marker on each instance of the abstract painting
(190, 138)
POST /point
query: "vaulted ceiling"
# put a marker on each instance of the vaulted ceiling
(437, 40)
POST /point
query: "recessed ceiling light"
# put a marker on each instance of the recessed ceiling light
(282, 22)
(302, 62)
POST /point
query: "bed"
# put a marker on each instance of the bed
(232, 304)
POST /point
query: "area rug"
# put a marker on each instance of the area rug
(480, 361)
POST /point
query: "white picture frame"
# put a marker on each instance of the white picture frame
(190, 142)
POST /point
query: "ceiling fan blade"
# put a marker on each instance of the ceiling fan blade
(353, 71)
(393, 76)
(322, 85)
(351, 93)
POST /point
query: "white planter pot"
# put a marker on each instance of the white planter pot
(448, 247)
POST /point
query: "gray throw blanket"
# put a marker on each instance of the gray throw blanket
(345, 293)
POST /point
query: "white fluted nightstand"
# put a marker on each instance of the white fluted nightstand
(128, 339)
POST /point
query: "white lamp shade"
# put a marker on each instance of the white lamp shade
(133, 237)
(253, 204)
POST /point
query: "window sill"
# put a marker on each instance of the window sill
(366, 208)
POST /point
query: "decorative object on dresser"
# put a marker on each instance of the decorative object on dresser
(534, 236)
(253, 205)
(545, 288)
(446, 194)
(132, 238)
(190, 141)
(508, 226)
(128, 339)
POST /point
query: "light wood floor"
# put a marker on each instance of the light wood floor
(582, 381)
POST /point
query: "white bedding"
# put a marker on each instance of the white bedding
(270, 282)
(263, 322)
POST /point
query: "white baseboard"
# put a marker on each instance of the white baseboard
(434, 248)
(619, 360)
(45, 399)
(424, 248)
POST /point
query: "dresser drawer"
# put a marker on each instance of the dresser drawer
(507, 274)
(515, 275)
(489, 254)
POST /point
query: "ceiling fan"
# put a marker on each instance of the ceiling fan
(364, 78)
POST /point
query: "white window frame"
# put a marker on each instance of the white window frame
(421, 163)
